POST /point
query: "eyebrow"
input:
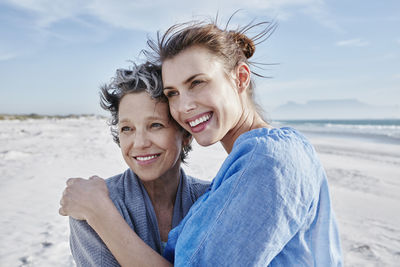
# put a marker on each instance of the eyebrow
(126, 120)
(155, 118)
(123, 120)
(188, 80)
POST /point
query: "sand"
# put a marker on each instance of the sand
(37, 156)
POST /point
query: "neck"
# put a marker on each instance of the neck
(162, 191)
(248, 121)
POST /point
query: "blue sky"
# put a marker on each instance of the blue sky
(55, 54)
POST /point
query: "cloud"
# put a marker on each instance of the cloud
(320, 13)
(7, 56)
(150, 15)
(352, 43)
(161, 14)
(75, 21)
(47, 12)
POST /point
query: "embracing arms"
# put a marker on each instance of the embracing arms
(88, 200)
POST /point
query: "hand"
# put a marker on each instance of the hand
(82, 198)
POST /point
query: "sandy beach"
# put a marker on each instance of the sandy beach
(37, 156)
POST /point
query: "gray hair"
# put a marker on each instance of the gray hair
(144, 77)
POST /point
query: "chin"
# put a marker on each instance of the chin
(147, 178)
(206, 142)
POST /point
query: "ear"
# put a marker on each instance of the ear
(242, 77)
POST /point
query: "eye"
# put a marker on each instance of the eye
(195, 83)
(156, 125)
(170, 93)
(125, 129)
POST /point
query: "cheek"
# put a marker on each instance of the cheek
(179, 141)
(176, 136)
(123, 146)
(175, 143)
(174, 111)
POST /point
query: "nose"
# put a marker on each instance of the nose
(141, 140)
(186, 102)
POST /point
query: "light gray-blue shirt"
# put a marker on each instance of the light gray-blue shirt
(132, 201)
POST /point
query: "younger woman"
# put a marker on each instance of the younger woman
(269, 203)
(154, 194)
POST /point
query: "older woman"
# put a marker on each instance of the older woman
(154, 194)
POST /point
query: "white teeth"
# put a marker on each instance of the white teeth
(146, 158)
(199, 120)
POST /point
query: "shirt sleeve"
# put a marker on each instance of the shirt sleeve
(87, 248)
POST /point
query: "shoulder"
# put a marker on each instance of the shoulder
(282, 155)
(86, 246)
(272, 136)
(192, 181)
(196, 186)
(82, 235)
(277, 143)
(121, 184)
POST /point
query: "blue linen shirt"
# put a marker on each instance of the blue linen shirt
(269, 205)
(132, 201)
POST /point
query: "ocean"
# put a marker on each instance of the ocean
(384, 130)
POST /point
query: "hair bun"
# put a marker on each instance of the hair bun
(244, 42)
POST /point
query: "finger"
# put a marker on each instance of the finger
(70, 181)
(94, 177)
(62, 212)
(64, 197)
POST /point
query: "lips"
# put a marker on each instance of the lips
(199, 122)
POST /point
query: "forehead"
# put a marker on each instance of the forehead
(190, 61)
(136, 106)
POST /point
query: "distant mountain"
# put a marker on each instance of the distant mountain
(334, 109)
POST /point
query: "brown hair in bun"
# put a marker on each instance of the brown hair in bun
(245, 43)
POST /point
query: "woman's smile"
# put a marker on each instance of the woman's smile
(199, 123)
(147, 159)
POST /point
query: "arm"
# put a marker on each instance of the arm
(87, 248)
(88, 200)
